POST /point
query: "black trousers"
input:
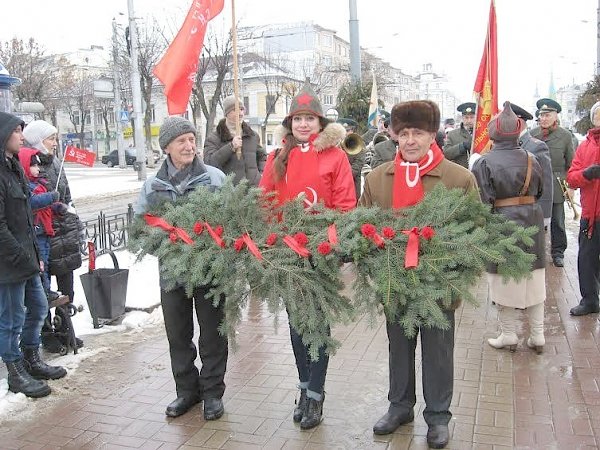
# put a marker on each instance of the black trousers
(309, 371)
(65, 284)
(588, 264)
(558, 235)
(213, 350)
(437, 356)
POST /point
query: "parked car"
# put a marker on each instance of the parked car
(112, 159)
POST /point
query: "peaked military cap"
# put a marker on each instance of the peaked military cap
(466, 108)
(384, 114)
(520, 112)
(547, 104)
(347, 122)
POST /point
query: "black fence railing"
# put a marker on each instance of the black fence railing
(107, 231)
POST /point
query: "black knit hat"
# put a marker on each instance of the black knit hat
(8, 123)
(421, 114)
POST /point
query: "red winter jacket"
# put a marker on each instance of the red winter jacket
(587, 154)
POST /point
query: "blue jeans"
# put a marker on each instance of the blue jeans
(15, 321)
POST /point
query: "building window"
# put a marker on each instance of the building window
(76, 117)
(326, 40)
(326, 60)
(270, 103)
(152, 113)
(88, 118)
(328, 99)
(246, 105)
(269, 138)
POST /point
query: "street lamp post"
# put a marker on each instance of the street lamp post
(118, 106)
(136, 94)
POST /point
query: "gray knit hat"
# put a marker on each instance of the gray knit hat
(593, 111)
(505, 126)
(229, 104)
(172, 128)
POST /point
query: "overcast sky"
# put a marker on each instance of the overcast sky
(535, 37)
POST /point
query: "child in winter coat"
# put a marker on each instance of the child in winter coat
(45, 206)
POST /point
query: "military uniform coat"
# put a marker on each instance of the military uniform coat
(453, 148)
(560, 144)
(383, 152)
(540, 150)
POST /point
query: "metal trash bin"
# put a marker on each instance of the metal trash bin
(105, 290)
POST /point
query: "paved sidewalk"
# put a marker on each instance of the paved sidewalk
(502, 400)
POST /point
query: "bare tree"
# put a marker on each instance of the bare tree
(215, 63)
(26, 60)
(79, 101)
(151, 47)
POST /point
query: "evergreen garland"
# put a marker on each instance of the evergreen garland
(458, 237)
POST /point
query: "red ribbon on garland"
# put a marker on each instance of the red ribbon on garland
(214, 235)
(252, 248)
(332, 234)
(293, 244)
(174, 232)
(411, 258)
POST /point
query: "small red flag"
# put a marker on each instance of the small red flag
(486, 86)
(177, 68)
(80, 156)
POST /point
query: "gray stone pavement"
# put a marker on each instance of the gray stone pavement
(116, 398)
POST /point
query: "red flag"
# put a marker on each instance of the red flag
(80, 156)
(177, 68)
(486, 86)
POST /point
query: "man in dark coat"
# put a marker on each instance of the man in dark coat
(385, 151)
(181, 173)
(222, 144)
(356, 151)
(20, 283)
(458, 141)
(541, 152)
(560, 144)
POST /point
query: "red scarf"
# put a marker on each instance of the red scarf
(302, 176)
(408, 188)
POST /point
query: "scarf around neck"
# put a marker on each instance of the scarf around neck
(408, 186)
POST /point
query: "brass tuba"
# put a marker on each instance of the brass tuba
(353, 144)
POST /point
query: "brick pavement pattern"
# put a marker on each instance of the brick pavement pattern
(502, 400)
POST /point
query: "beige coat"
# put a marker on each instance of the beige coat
(379, 183)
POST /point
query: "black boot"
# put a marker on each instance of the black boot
(313, 415)
(300, 406)
(39, 369)
(20, 381)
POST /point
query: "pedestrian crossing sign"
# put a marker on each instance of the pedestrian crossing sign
(124, 117)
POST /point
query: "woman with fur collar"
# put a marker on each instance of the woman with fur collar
(311, 165)
(221, 146)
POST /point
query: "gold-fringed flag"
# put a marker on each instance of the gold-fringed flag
(177, 68)
(486, 86)
(373, 105)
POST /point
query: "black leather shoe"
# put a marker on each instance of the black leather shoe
(438, 436)
(180, 406)
(213, 408)
(313, 414)
(582, 310)
(392, 420)
(558, 261)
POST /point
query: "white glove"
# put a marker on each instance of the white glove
(71, 208)
(546, 222)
